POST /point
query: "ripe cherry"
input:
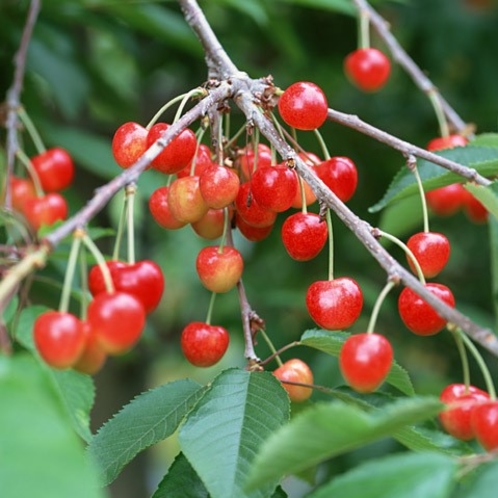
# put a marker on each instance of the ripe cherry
(248, 209)
(445, 201)
(303, 105)
(252, 233)
(304, 235)
(185, 200)
(202, 161)
(432, 251)
(368, 68)
(177, 154)
(45, 210)
(365, 360)
(274, 187)
(295, 370)
(93, 357)
(248, 161)
(21, 189)
(418, 315)
(219, 186)
(117, 320)
(203, 344)
(461, 401)
(334, 304)
(340, 175)
(219, 268)
(484, 421)
(128, 144)
(161, 212)
(55, 169)
(448, 142)
(59, 338)
(211, 225)
(144, 280)
(473, 208)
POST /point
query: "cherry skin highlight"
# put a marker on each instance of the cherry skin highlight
(295, 370)
(204, 345)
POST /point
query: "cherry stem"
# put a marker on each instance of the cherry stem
(322, 143)
(378, 303)
(255, 146)
(330, 229)
(219, 149)
(304, 207)
(438, 109)
(226, 227)
(195, 92)
(70, 269)
(121, 225)
(99, 258)
(280, 351)
(364, 29)
(236, 136)
(271, 346)
(196, 153)
(26, 161)
(411, 162)
(482, 364)
(130, 194)
(407, 251)
(210, 308)
(84, 283)
(31, 129)
(463, 357)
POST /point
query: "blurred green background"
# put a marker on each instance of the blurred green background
(94, 64)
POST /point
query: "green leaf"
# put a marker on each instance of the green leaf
(411, 475)
(181, 481)
(40, 455)
(227, 427)
(330, 429)
(485, 483)
(149, 418)
(483, 159)
(10, 310)
(331, 343)
(493, 241)
(488, 196)
(486, 139)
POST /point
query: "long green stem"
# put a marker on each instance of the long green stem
(196, 153)
(84, 283)
(323, 145)
(226, 227)
(31, 171)
(31, 128)
(130, 194)
(121, 227)
(211, 307)
(195, 92)
(106, 273)
(330, 229)
(425, 214)
(463, 357)
(378, 303)
(441, 118)
(364, 30)
(69, 275)
(271, 346)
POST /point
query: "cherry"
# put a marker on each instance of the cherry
(303, 105)
(365, 360)
(45, 210)
(160, 210)
(340, 175)
(185, 199)
(251, 212)
(432, 251)
(219, 186)
(418, 315)
(311, 160)
(55, 169)
(211, 225)
(304, 235)
(295, 370)
(128, 144)
(59, 338)
(448, 142)
(484, 420)
(117, 320)
(202, 161)
(252, 233)
(274, 187)
(144, 280)
(203, 344)
(219, 268)
(461, 401)
(177, 154)
(473, 208)
(248, 161)
(368, 68)
(445, 201)
(93, 357)
(21, 189)
(334, 304)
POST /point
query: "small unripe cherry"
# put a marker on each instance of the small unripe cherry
(295, 370)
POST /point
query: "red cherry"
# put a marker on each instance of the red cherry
(295, 370)
(45, 210)
(248, 161)
(445, 201)
(274, 187)
(418, 315)
(128, 144)
(204, 345)
(368, 68)
(303, 105)
(59, 338)
(55, 169)
(447, 142)
(202, 161)
(219, 186)
(432, 251)
(177, 154)
(334, 304)
(340, 175)
(144, 280)
(461, 401)
(159, 208)
(185, 200)
(117, 320)
(211, 225)
(248, 209)
(304, 235)
(254, 234)
(219, 269)
(93, 357)
(484, 421)
(21, 189)
(365, 360)
(473, 208)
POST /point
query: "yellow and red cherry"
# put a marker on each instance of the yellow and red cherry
(160, 211)
(185, 200)
(128, 144)
(219, 186)
(295, 370)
